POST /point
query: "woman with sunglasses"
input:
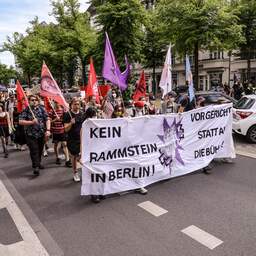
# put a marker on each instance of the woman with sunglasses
(37, 130)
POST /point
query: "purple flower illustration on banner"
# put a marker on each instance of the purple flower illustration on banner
(171, 138)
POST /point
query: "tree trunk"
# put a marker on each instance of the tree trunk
(196, 74)
(83, 62)
(154, 79)
(61, 76)
(249, 65)
(229, 66)
(29, 80)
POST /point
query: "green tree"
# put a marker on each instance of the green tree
(75, 30)
(31, 49)
(123, 21)
(19, 45)
(6, 74)
(154, 44)
(200, 25)
(64, 46)
(247, 15)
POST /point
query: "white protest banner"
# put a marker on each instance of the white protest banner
(129, 153)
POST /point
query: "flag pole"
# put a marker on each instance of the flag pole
(26, 99)
(33, 115)
(120, 92)
(122, 100)
(53, 108)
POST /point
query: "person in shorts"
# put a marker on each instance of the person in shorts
(73, 121)
(5, 128)
(58, 133)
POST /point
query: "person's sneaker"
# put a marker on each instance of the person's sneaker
(41, 167)
(58, 161)
(142, 191)
(45, 154)
(95, 199)
(76, 177)
(36, 171)
(22, 148)
(5, 155)
(68, 164)
(227, 160)
(207, 170)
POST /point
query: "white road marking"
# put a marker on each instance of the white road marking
(202, 237)
(245, 153)
(152, 208)
(30, 246)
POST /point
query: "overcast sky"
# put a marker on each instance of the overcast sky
(15, 16)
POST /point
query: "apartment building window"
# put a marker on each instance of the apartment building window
(201, 83)
(216, 55)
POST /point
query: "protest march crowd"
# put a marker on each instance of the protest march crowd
(33, 119)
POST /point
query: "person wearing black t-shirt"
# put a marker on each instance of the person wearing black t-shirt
(73, 121)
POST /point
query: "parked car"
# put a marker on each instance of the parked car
(211, 97)
(215, 98)
(244, 117)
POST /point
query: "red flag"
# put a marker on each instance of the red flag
(140, 88)
(22, 101)
(104, 89)
(47, 105)
(92, 87)
(49, 87)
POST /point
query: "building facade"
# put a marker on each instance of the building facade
(214, 68)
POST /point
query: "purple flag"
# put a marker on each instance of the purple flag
(111, 70)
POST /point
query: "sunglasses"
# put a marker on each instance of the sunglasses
(34, 100)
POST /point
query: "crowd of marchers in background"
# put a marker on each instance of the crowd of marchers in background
(238, 90)
(24, 129)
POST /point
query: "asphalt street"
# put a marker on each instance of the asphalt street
(61, 222)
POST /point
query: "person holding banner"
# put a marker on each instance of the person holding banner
(139, 108)
(58, 133)
(73, 121)
(118, 111)
(37, 130)
(169, 105)
(91, 113)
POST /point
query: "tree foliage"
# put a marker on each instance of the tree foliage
(200, 24)
(247, 15)
(123, 21)
(191, 25)
(63, 45)
(6, 74)
(154, 44)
